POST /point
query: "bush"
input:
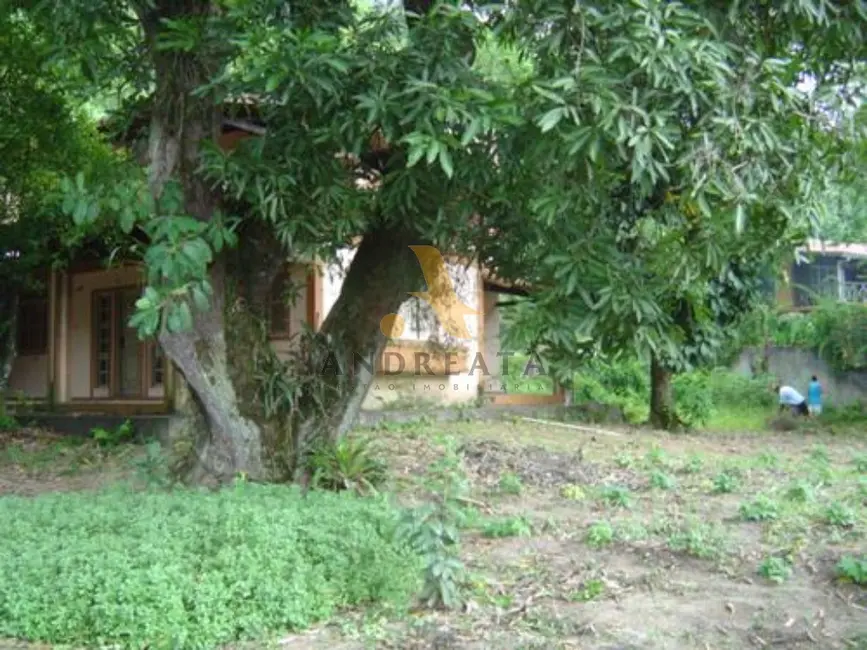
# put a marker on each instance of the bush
(121, 434)
(7, 422)
(692, 398)
(733, 390)
(193, 569)
(836, 331)
(697, 394)
(852, 569)
(624, 384)
(347, 464)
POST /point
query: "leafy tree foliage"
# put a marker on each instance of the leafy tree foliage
(687, 160)
(638, 163)
(42, 139)
(372, 123)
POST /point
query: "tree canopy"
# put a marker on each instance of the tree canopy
(688, 157)
(639, 164)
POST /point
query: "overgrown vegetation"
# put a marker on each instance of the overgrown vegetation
(432, 530)
(194, 569)
(699, 395)
(507, 528)
(836, 331)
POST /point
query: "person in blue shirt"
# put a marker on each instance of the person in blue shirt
(814, 397)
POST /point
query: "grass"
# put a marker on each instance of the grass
(747, 419)
(724, 537)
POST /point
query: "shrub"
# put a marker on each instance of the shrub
(860, 463)
(693, 465)
(623, 384)
(762, 508)
(698, 539)
(801, 492)
(852, 569)
(7, 422)
(600, 534)
(725, 482)
(193, 569)
(617, 495)
(348, 464)
(125, 432)
(508, 527)
(838, 514)
(730, 389)
(432, 531)
(775, 569)
(692, 398)
(590, 590)
(624, 460)
(572, 492)
(662, 481)
(510, 483)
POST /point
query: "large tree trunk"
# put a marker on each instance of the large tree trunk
(224, 357)
(382, 273)
(181, 122)
(662, 415)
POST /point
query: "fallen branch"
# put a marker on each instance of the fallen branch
(576, 427)
(472, 502)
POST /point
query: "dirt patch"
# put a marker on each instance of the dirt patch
(540, 467)
(35, 461)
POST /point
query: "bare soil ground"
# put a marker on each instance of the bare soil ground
(633, 541)
(639, 540)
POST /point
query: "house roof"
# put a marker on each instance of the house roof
(830, 248)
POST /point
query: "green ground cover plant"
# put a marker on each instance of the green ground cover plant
(193, 569)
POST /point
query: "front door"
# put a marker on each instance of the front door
(123, 366)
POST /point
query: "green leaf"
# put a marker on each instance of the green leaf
(433, 150)
(79, 215)
(127, 220)
(446, 162)
(740, 218)
(200, 300)
(551, 119)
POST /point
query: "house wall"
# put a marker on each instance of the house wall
(29, 376)
(413, 384)
(298, 276)
(492, 344)
(80, 334)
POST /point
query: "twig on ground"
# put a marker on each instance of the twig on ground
(573, 426)
(517, 613)
(472, 502)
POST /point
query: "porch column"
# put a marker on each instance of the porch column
(315, 296)
(841, 281)
(60, 316)
(490, 344)
(52, 314)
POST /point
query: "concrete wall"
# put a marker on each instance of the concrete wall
(795, 366)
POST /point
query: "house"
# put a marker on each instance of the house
(76, 352)
(824, 270)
